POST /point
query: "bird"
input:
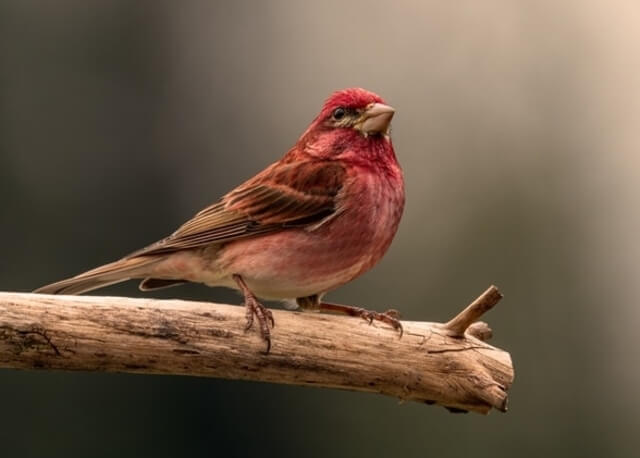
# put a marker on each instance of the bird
(317, 218)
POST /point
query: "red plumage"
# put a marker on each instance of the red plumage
(316, 219)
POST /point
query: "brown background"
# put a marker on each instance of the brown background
(517, 127)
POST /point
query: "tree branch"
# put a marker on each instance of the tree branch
(432, 362)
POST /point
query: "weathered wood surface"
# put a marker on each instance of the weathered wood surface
(448, 364)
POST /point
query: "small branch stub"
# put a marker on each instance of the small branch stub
(449, 364)
(463, 320)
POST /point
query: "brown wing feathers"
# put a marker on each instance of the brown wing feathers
(263, 204)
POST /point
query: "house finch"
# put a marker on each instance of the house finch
(312, 221)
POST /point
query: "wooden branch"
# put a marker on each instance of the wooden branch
(432, 362)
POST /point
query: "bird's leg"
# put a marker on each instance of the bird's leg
(313, 303)
(255, 308)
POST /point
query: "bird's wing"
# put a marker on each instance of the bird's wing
(285, 195)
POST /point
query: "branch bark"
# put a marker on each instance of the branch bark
(448, 364)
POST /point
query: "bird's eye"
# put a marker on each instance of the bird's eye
(338, 113)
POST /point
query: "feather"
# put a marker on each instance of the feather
(283, 196)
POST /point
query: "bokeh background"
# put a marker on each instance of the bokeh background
(518, 128)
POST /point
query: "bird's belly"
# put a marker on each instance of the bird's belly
(298, 262)
(295, 263)
(287, 264)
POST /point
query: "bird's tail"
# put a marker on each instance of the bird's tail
(108, 274)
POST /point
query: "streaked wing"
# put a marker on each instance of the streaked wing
(285, 195)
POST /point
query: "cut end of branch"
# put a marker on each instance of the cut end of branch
(463, 321)
(496, 397)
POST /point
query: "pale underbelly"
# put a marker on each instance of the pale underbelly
(295, 263)
(284, 265)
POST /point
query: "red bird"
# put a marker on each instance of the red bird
(312, 221)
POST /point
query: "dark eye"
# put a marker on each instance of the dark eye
(338, 113)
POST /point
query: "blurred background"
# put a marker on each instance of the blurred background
(517, 127)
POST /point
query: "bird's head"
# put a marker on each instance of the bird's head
(356, 109)
(352, 123)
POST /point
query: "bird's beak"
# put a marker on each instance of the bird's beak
(375, 119)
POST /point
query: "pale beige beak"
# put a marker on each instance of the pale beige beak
(376, 119)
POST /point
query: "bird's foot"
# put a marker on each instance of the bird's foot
(254, 309)
(264, 317)
(391, 317)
